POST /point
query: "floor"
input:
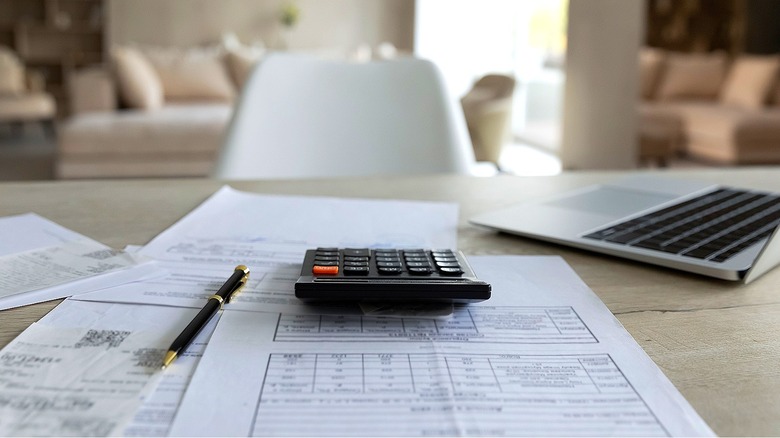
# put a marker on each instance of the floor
(29, 155)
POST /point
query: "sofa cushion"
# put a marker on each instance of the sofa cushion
(91, 90)
(192, 74)
(692, 76)
(750, 80)
(11, 73)
(731, 135)
(241, 61)
(138, 83)
(176, 140)
(171, 129)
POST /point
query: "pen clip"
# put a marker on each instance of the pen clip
(239, 286)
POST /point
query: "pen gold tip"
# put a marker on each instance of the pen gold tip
(169, 357)
(242, 268)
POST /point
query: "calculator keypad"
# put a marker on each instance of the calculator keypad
(386, 262)
(386, 274)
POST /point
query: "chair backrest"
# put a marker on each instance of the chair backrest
(499, 86)
(303, 117)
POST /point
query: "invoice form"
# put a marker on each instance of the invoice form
(270, 235)
(543, 356)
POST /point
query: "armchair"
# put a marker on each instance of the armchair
(487, 107)
(22, 98)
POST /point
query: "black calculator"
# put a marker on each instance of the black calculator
(363, 274)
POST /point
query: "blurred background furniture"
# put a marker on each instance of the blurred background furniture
(54, 37)
(22, 98)
(156, 112)
(660, 135)
(710, 107)
(488, 111)
(303, 117)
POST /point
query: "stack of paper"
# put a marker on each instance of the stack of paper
(543, 357)
(41, 261)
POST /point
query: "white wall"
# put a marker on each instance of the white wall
(600, 97)
(332, 24)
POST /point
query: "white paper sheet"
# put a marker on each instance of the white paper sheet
(41, 261)
(270, 235)
(155, 415)
(84, 368)
(544, 356)
(143, 272)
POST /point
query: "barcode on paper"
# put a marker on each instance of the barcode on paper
(99, 338)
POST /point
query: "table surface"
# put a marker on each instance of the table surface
(717, 341)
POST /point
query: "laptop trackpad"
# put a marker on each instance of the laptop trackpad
(611, 201)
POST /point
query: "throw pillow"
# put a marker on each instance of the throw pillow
(192, 74)
(651, 62)
(241, 61)
(750, 81)
(697, 76)
(138, 83)
(11, 73)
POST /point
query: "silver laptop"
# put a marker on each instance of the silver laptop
(707, 229)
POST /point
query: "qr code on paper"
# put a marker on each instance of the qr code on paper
(148, 357)
(99, 338)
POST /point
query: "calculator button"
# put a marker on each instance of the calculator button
(420, 271)
(417, 260)
(362, 252)
(445, 253)
(321, 258)
(328, 249)
(326, 254)
(388, 259)
(388, 264)
(325, 270)
(350, 263)
(355, 259)
(386, 251)
(414, 251)
(355, 270)
(418, 264)
(450, 271)
(448, 264)
(326, 263)
(445, 259)
(386, 270)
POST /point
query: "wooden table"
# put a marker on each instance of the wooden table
(718, 342)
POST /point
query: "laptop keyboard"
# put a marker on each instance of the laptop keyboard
(712, 227)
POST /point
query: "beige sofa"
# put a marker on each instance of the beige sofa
(709, 107)
(153, 113)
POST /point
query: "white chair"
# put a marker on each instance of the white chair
(303, 117)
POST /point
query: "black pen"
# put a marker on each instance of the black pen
(213, 305)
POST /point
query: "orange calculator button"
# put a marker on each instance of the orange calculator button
(325, 270)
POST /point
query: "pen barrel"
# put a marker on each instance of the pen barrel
(196, 325)
(231, 284)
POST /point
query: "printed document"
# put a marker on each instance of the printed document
(270, 235)
(543, 356)
(40, 260)
(85, 368)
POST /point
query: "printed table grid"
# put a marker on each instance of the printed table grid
(524, 325)
(341, 394)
